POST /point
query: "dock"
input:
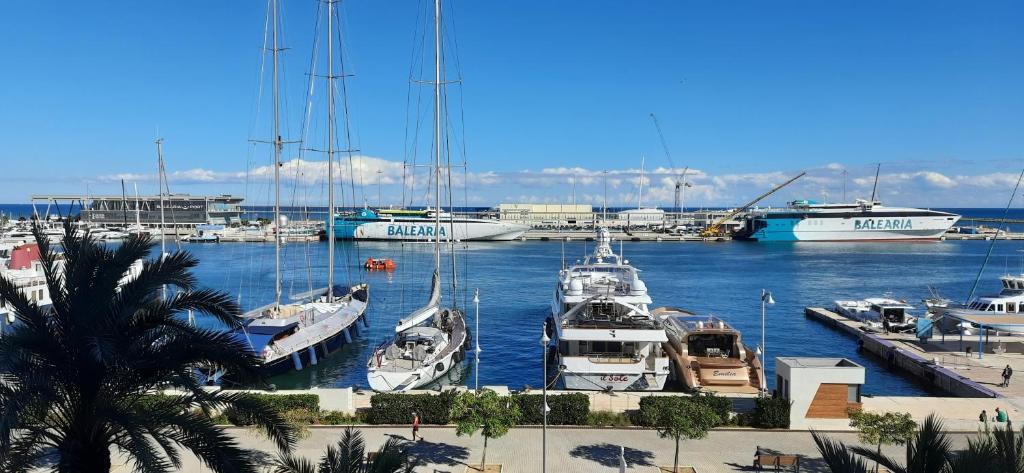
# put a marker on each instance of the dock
(943, 362)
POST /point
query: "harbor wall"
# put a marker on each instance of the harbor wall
(898, 356)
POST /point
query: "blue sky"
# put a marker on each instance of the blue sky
(747, 92)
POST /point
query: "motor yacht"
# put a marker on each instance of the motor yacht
(879, 313)
(708, 354)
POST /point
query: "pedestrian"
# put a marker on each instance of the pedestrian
(416, 427)
(1007, 372)
(1001, 415)
(983, 417)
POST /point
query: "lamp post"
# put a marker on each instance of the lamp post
(477, 350)
(766, 298)
(544, 450)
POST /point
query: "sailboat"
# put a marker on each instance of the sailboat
(293, 335)
(432, 340)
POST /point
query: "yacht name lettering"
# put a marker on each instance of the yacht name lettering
(617, 378)
(882, 224)
(414, 230)
(725, 373)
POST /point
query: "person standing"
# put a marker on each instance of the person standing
(1007, 373)
(415, 427)
(983, 418)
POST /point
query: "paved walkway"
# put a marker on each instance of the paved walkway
(571, 450)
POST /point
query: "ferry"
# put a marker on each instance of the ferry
(418, 225)
(708, 354)
(805, 220)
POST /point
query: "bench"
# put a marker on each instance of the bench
(777, 462)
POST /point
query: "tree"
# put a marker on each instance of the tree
(838, 456)
(891, 428)
(682, 418)
(347, 457)
(76, 377)
(487, 412)
(928, 451)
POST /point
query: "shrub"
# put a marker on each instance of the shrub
(771, 413)
(566, 409)
(397, 408)
(282, 403)
(720, 405)
(650, 406)
(608, 419)
(338, 418)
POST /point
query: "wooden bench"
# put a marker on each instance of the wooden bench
(777, 462)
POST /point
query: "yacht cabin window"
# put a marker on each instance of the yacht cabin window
(1011, 307)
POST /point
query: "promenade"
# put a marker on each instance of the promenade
(571, 449)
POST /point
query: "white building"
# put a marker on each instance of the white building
(547, 214)
(820, 390)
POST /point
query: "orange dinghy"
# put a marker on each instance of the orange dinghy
(379, 264)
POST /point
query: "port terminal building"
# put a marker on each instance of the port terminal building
(179, 210)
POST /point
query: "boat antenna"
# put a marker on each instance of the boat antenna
(875, 187)
(277, 163)
(995, 237)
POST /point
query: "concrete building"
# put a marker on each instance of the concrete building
(820, 390)
(538, 215)
(181, 210)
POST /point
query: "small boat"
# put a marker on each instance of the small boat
(379, 264)
(708, 354)
(205, 234)
(879, 313)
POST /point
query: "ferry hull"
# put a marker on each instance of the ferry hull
(423, 230)
(853, 229)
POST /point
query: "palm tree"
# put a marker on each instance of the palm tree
(838, 456)
(347, 457)
(998, 451)
(74, 376)
(929, 451)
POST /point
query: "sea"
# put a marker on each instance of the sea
(516, 282)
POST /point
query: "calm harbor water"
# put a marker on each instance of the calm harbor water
(516, 281)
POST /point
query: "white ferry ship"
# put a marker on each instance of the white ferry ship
(863, 220)
(418, 225)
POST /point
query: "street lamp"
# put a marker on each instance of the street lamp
(477, 350)
(766, 298)
(544, 450)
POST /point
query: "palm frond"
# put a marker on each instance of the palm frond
(837, 456)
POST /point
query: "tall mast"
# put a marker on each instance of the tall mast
(277, 169)
(640, 198)
(875, 187)
(437, 135)
(163, 223)
(330, 150)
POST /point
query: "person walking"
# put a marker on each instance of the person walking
(1007, 373)
(983, 418)
(416, 427)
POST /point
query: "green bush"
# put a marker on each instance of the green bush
(282, 403)
(338, 418)
(566, 409)
(646, 416)
(771, 413)
(396, 408)
(608, 419)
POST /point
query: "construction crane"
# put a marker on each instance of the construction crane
(680, 180)
(715, 229)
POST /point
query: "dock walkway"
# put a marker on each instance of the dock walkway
(942, 362)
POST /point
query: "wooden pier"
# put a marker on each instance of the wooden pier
(942, 364)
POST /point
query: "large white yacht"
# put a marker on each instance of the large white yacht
(1009, 301)
(606, 337)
